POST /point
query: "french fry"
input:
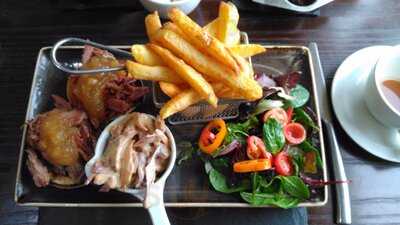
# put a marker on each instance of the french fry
(225, 92)
(187, 73)
(180, 102)
(234, 38)
(247, 50)
(172, 27)
(248, 88)
(153, 73)
(245, 68)
(144, 55)
(228, 19)
(202, 39)
(170, 89)
(152, 23)
(212, 27)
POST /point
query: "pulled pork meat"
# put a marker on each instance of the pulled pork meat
(136, 152)
(103, 95)
(40, 174)
(61, 140)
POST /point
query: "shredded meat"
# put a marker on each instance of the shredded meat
(106, 95)
(136, 152)
(40, 174)
(61, 103)
(64, 138)
(120, 95)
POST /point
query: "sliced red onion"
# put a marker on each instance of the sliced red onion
(229, 148)
(265, 81)
(288, 81)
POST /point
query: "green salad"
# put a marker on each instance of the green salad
(270, 155)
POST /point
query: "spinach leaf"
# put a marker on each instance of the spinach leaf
(273, 136)
(295, 187)
(307, 147)
(272, 186)
(297, 157)
(300, 94)
(255, 181)
(280, 200)
(302, 117)
(239, 131)
(186, 153)
(285, 201)
(221, 164)
(219, 183)
(208, 167)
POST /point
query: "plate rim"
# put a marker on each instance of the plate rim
(335, 82)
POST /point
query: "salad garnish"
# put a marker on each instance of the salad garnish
(269, 156)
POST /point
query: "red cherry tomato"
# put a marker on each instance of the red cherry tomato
(207, 137)
(277, 113)
(289, 113)
(294, 133)
(256, 148)
(283, 164)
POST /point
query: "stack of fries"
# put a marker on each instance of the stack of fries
(194, 63)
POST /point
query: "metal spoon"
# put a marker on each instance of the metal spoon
(155, 201)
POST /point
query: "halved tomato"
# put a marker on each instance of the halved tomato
(256, 148)
(277, 113)
(294, 133)
(283, 164)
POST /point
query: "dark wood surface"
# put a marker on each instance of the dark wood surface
(342, 28)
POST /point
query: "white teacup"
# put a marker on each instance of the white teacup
(387, 68)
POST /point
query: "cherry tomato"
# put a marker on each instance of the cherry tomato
(277, 113)
(207, 137)
(256, 148)
(252, 165)
(283, 164)
(294, 133)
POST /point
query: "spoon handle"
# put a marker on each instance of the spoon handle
(158, 214)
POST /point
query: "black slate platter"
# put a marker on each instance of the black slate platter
(188, 184)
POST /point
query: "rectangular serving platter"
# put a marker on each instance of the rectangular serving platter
(188, 185)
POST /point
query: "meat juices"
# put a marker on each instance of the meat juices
(136, 152)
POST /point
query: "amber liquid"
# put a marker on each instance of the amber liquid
(391, 90)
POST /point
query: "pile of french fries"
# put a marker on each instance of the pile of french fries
(194, 63)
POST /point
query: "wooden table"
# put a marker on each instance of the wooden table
(342, 28)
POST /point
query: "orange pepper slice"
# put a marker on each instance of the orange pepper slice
(252, 165)
(310, 162)
(210, 141)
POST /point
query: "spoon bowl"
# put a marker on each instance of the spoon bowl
(156, 201)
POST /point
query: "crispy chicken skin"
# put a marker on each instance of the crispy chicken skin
(104, 95)
(61, 141)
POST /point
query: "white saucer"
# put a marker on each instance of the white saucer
(348, 103)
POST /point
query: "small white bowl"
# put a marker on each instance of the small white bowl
(163, 6)
(387, 68)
